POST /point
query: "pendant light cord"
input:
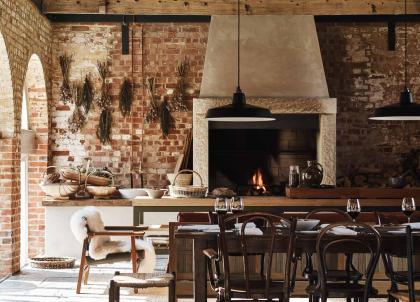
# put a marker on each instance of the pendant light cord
(239, 41)
(405, 43)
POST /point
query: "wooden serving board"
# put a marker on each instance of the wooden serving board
(372, 193)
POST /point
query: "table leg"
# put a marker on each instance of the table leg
(200, 270)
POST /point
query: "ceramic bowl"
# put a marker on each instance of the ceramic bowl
(132, 193)
(306, 224)
(155, 194)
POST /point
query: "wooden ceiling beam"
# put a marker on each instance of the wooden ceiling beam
(228, 7)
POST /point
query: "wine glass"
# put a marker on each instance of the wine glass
(408, 207)
(221, 205)
(353, 208)
(237, 205)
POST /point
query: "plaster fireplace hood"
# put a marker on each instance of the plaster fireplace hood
(281, 69)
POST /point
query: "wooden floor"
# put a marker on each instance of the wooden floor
(32, 285)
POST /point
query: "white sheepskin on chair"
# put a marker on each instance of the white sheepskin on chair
(101, 246)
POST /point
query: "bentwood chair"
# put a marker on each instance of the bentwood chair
(395, 220)
(408, 277)
(350, 274)
(250, 284)
(367, 241)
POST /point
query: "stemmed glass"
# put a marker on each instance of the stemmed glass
(408, 207)
(221, 206)
(237, 205)
(353, 208)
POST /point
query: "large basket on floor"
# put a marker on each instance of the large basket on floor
(188, 191)
(52, 262)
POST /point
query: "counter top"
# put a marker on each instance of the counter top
(251, 201)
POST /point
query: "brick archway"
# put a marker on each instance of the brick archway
(37, 104)
(8, 174)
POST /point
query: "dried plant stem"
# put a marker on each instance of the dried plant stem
(126, 97)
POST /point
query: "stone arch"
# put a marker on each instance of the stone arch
(6, 93)
(37, 108)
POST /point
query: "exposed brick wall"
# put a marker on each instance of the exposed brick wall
(362, 74)
(158, 49)
(25, 33)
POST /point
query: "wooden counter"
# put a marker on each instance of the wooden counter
(269, 201)
(272, 204)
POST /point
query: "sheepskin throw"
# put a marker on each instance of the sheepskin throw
(101, 246)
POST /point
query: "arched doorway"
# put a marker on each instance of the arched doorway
(34, 158)
(7, 145)
(6, 94)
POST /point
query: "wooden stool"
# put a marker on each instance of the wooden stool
(139, 280)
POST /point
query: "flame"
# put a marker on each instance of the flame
(257, 181)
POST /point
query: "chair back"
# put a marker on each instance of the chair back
(413, 249)
(367, 239)
(329, 215)
(196, 217)
(241, 243)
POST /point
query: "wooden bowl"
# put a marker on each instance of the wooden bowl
(92, 179)
(101, 191)
(59, 190)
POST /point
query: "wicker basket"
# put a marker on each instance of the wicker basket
(188, 191)
(52, 262)
(182, 180)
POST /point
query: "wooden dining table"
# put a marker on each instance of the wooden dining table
(393, 243)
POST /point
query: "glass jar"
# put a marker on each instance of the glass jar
(294, 176)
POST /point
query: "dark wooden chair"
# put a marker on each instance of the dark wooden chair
(135, 255)
(407, 277)
(249, 284)
(350, 273)
(367, 239)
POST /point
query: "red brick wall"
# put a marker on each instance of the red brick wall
(25, 33)
(362, 74)
(158, 49)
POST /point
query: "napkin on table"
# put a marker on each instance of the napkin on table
(250, 229)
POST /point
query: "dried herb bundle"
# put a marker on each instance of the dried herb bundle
(126, 97)
(104, 99)
(104, 130)
(77, 92)
(153, 113)
(87, 94)
(65, 91)
(179, 98)
(77, 120)
(166, 119)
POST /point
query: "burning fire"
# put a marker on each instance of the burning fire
(258, 182)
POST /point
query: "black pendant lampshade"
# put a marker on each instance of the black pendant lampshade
(239, 110)
(406, 109)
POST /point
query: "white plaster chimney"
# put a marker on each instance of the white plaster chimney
(280, 57)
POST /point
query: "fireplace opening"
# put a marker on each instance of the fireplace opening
(254, 158)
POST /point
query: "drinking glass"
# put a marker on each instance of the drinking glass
(221, 206)
(408, 207)
(237, 205)
(353, 208)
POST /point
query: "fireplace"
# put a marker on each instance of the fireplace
(254, 158)
(281, 70)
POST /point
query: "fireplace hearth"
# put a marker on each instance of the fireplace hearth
(254, 158)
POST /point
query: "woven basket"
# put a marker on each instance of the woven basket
(188, 191)
(182, 180)
(52, 262)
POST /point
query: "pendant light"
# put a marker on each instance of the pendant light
(406, 109)
(239, 110)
